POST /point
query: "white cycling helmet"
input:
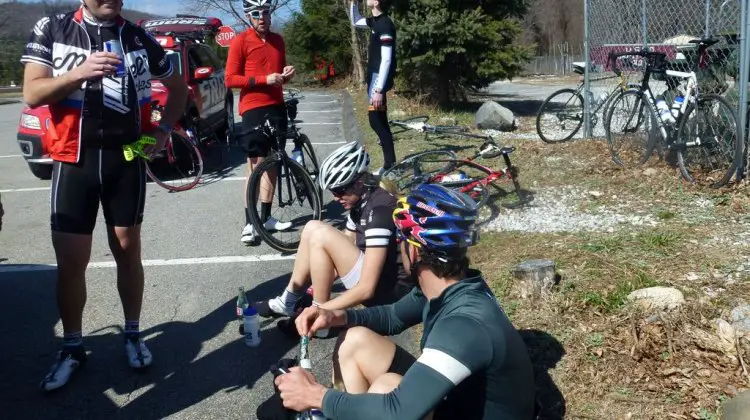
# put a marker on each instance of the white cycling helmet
(343, 166)
(250, 5)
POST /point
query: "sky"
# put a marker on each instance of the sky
(172, 7)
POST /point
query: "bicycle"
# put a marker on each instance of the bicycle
(420, 125)
(685, 129)
(181, 154)
(309, 159)
(451, 171)
(562, 112)
(292, 185)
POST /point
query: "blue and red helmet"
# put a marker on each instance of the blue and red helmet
(436, 218)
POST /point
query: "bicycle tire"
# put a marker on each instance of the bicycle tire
(410, 170)
(547, 109)
(704, 149)
(311, 163)
(195, 154)
(638, 152)
(302, 179)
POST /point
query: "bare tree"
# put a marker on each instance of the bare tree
(358, 69)
(230, 7)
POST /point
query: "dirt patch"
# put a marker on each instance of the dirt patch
(610, 231)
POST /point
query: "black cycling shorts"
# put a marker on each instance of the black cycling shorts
(101, 175)
(255, 142)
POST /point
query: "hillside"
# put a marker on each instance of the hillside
(16, 21)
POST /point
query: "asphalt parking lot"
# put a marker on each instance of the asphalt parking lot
(194, 263)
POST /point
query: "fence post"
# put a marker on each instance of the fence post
(707, 31)
(586, 84)
(743, 75)
(644, 23)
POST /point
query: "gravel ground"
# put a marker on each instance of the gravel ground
(556, 210)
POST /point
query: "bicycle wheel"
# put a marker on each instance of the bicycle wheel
(631, 122)
(310, 161)
(708, 148)
(183, 164)
(293, 190)
(560, 116)
(416, 169)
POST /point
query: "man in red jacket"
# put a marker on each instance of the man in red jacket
(257, 65)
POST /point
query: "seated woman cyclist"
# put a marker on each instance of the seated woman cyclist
(473, 362)
(363, 256)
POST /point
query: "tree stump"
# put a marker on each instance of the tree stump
(534, 278)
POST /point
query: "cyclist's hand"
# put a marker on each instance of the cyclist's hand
(298, 390)
(312, 319)
(274, 79)
(98, 64)
(288, 73)
(377, 100)
(161, 142)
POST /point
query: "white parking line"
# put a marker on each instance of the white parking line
(317, 112)
(332, 143)
(10, 156)
(319, 102)
(24, 189)
(320, 123)
(229, 259)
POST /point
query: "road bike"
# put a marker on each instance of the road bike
(701, 129)
(561, 114)
(292, 188)
(179, 166)
(462, 174)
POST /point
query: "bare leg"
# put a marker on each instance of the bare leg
(73, 252)
(361, 356)
(252, 163)
(323, 252)
(125, 243)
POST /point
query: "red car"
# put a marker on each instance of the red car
(210, 107)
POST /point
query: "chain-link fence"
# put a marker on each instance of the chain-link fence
(668, 26)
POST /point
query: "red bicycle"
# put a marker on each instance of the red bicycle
(180, 164)
(462, 174)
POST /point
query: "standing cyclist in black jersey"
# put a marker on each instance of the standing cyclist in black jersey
(381, 68)
(474, 364)
(364, 257)
(94, 69)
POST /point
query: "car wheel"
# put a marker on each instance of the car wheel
(41, 170)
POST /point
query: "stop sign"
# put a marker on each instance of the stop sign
(225, 36)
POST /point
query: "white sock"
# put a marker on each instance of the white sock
(290, 298)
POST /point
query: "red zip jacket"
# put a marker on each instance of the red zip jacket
(249, 61)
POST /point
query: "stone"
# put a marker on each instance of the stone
(740, 318)
(494, 116)
(660, 298)
(649, 171)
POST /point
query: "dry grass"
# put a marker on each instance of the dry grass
(607, 360)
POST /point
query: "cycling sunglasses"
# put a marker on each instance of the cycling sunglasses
(339, 191)
(255, 14)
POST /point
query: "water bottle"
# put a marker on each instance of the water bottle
(242, 304)
(311, 414)
(664, 111)
(252, 326)
(677, 105)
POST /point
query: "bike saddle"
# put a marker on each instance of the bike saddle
(292, 102)
(506, 150)
(706, 42)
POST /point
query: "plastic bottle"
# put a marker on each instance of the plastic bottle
(252, 326)
(242, 304)
(677, 105)
(664, 111)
